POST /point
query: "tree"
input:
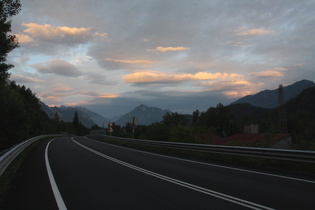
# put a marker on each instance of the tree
(196, 115)
(8, 42)
(220, 119)
(76, 121)
(56, 117)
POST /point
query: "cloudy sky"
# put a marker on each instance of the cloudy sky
(113, 55)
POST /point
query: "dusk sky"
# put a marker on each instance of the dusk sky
(113, 55)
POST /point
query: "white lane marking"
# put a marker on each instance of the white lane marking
(214, 165)
(232, 199)
(59, 200)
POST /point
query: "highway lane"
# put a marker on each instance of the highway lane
(94, 175)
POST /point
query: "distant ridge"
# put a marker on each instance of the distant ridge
(269, 98)
(65, 113)
(144, 115)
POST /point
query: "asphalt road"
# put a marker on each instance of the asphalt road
(80, 173)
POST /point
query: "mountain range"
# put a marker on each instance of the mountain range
(299, 94)
(86, 117)
(143, 114)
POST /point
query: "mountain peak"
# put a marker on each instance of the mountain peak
(144, 115)
(142, 107)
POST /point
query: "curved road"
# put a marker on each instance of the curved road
(81, 173)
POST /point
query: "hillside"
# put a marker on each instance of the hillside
(144, 115)
(303, 102)
(269, 98)
(249, 113)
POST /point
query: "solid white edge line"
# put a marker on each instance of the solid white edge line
(178, 182)
(59, 200)
(214, 165)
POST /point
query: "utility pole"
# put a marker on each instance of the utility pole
(283, 127)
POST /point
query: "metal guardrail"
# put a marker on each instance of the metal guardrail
(12, 153)
(267, 153)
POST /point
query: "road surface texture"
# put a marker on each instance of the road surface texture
(81, 173)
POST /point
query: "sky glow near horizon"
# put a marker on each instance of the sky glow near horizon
(182, 55)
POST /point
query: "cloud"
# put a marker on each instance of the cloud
(60, 88)
(228, 85)
(24, 38)
(92, 97)
(271, 73)
(50, 97)
(57, 66)
(167, 49)
(23, 59)
(100, 79)
(24, 79)
(238, 43)
(232, 88)
(97, 94)
(280, 69)
(254, 32)
(77, 96)
(61, 35)
(268, 74)
(131, 61)
(237, 94)
(161, 77)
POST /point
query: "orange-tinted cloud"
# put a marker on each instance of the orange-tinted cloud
(254, 31)
(237, 94)
(55, 97)
(155, 76)
(60, 88)
(24, 38)
(269, 74)
(232, 88)
(51, 97)
(161, 49)
(93, 97)
(49, 32)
